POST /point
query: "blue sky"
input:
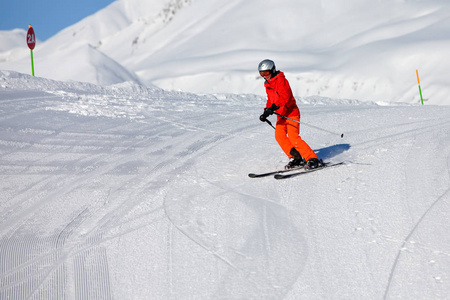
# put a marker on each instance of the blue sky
(46, 16)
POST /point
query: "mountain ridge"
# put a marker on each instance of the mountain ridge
(357, 49)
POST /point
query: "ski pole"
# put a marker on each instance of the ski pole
(318, 128)
(268, 122)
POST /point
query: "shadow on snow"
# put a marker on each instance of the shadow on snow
(332, 151)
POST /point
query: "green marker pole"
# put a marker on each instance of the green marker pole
(32, 63)
(420, 90)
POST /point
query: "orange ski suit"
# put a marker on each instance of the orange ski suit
(286, 131)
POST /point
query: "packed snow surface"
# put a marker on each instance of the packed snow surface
(127, 192)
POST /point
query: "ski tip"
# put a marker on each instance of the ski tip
(252, 175)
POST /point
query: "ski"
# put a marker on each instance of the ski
(306, 171)
(257, 175)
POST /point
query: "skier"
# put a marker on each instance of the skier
(281, 100)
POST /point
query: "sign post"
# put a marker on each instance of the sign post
(31, 42)
(420, 90)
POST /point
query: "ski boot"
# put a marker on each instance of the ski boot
(295, 161)
(314, 163)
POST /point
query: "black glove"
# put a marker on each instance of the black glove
(263, 117)
(267, 112)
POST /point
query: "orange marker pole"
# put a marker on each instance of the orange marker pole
(420, 90)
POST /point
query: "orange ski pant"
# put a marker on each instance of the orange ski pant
(287, 135)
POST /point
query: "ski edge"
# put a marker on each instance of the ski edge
(257, 175)
(305, 171)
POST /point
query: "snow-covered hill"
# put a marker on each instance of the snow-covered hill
(126, 192)
(13, 46)
(353, 49)
(12, 39)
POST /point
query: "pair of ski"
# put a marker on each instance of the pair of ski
(280, 174)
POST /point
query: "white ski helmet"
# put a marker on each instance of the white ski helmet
(267, 64)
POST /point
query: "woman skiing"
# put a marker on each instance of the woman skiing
(281, 100)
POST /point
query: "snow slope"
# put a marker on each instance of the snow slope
(12, 39)
(126, 192)
(352, 49)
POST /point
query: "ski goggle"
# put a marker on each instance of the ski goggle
(264, 73)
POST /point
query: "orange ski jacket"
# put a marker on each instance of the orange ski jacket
(279, 93)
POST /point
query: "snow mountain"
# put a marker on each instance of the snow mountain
(348, 49)
(12, 39)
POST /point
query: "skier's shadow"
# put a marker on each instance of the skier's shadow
(332, 151)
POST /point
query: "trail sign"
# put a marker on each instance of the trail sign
(31, 42)
(31, 38)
